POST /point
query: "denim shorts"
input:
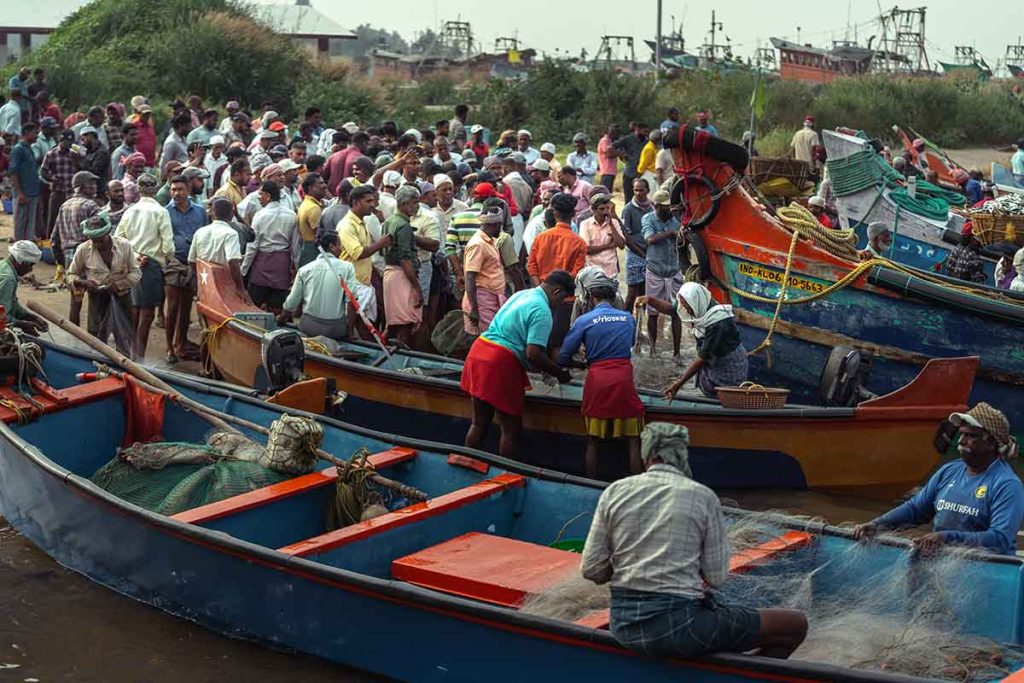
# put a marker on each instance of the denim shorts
(664, 625)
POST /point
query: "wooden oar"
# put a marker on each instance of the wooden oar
(215, 418)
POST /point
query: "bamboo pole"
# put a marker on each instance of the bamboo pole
(215, 418)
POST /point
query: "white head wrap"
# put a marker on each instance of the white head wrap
(442, 179)
(705, 311)
(25, 251)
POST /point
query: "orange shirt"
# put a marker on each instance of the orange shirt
(481, 257)
(557, 249)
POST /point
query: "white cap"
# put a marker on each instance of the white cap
(350, 127)
(816, 201)
(548, 147)
(541, 165)
(415, 133)
(523, 131)
(216, 140)
(475, 128)
(392, 179)
(442, 179)
(288, 165)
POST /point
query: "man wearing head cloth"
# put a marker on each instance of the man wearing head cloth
(976, 501)
(134, 166)
(147, 227)
(611, 406)
(447, 204)
(879, 242)
(659, 540)
(403, 298)
(105, 268)
(484, 270)
(427, 231)
(23, 255)
(20, 259)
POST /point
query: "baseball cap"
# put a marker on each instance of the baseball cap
(276, 126)
(661, 197)
(548, 147)
(216, 140)
(88, 129)
(541, 165)
(288, 165)
(268, 135)
(48, 122)
(579, 137)
(475, 128)
(83, 177)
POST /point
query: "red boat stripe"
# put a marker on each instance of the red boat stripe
(286, 489)
(407, 515)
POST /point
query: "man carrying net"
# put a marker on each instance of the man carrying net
(975, 501)
(659, 539)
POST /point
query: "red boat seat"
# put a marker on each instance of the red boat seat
(504, 571)
(480, 491)
(292, 487)
(488, 568)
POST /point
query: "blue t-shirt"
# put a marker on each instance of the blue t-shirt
(708, 128)
(184, 225)
(23, 163)
(663, 257)
(523, 320)
(606, 331)
(1017, 162)
(974, 191)
(984, 510)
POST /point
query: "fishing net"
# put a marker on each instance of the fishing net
(905, 617)
(449, 336)
(169, 477)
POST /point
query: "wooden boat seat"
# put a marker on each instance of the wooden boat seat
(292, 487)
(46, 399)
(477, 492)
(504, 571)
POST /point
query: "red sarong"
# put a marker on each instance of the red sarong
(609, 391)
(494, 375)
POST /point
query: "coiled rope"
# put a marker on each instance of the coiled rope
(798, 220)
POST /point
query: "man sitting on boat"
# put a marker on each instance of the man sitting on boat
(975, 501)
(659, 539)
(23, 256)
(721, 357)
(611, 406)
(318, 292)
(964, 262)
(816, 205)
(879, 242)
(495, 370)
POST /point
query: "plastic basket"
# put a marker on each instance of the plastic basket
(992, 228)
(750, 396)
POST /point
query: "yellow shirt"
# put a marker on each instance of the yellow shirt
(354, 239)
(309, 218)
(231, 191)
(647, 156)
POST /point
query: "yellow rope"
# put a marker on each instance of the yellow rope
(11, 405)
(841, 243)
(211, 335)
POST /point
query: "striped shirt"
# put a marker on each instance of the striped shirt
(461, 229)
(660, 532)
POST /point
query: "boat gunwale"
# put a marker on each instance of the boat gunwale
(419, 598)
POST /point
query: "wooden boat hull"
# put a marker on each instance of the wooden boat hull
(876, 450)
(206, 571)
(900, 319)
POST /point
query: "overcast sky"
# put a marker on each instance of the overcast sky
(548, 24)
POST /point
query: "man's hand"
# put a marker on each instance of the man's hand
(22, 199)
(88, 285)
(564, 376)
(672, 389)
(929, 544)
(474, 316)
(865, 532)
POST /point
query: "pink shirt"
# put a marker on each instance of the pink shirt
(606, 165)
(597, 235)
(581, 191)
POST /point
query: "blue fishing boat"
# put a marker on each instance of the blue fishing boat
(897, 317)
(430, 591)
(1004, 181)
(918, 241)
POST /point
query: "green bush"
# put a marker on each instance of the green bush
(115, 49)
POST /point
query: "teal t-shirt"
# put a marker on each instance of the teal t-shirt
(523, 320)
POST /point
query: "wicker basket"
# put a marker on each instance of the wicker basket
(750, 396)
(766, 168)
(992, 228)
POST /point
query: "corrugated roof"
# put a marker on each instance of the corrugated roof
(287, 19)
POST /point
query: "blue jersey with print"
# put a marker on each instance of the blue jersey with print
(983, 510)
(606, 331)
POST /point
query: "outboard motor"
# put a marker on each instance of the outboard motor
(282, 357)
(844, 378)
